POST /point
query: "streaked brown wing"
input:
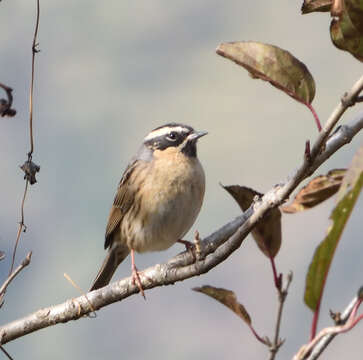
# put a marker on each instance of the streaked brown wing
(122, 202)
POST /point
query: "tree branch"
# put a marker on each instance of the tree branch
(347, 320)
(6, 353)
(216, 248)
(282, 294)
(34, 51)
(12, 276)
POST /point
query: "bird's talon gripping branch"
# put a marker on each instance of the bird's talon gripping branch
(189, 247)
(137, 281)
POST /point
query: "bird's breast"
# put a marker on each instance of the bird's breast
(170, 202)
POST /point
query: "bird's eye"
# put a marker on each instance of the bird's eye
(173, 135)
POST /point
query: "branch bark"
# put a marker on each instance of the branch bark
(315, 348)
(216, 248)
(12, 276)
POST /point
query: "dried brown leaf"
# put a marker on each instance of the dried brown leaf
(273, 64)
(227, 298)
(316, 191)
(267, 232)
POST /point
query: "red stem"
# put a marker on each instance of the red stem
(258, 337)
(314, 324)
(277, 278)
(316, 117)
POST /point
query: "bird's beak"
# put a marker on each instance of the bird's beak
(196, 135)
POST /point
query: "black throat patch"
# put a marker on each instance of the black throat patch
(190, 148)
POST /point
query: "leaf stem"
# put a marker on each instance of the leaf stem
(277, 277)
(316, 117)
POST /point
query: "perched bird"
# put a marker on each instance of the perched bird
(157, 200)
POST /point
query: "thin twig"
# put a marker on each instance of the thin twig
(6, 353)
(330, 331)
(28, 177)
(34, 51)
(282, 294)
(12, 276)
(337, 113)
(80, 291)
(21, 226)
(322, 344)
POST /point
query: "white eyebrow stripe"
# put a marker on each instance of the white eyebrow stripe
(165, 130)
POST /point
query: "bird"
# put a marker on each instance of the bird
(157, 200)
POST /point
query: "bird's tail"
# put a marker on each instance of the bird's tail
(116, 254)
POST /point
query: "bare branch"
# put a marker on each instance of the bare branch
(322, 344)
(28, 167)
(346, 322)
(217, 247)
(282, 293)
(20, 228)
(34, 51)
(6, 353)
(12, 276)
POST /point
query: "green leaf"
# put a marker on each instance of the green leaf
(316, 191)
(347, 197)
(267, 232)
(272, 64)
(227, 298)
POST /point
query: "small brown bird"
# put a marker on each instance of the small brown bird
(157, 200)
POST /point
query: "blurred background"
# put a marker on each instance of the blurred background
(108, 73)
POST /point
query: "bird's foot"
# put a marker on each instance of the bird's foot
(194, 248)
(137, 281)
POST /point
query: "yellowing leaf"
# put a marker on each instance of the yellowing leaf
(272, 64)
(227, 298)
(347, 197)
(316, 191)
(267, 232)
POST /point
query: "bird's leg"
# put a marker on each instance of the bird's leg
(135, 274)
(195, 248)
